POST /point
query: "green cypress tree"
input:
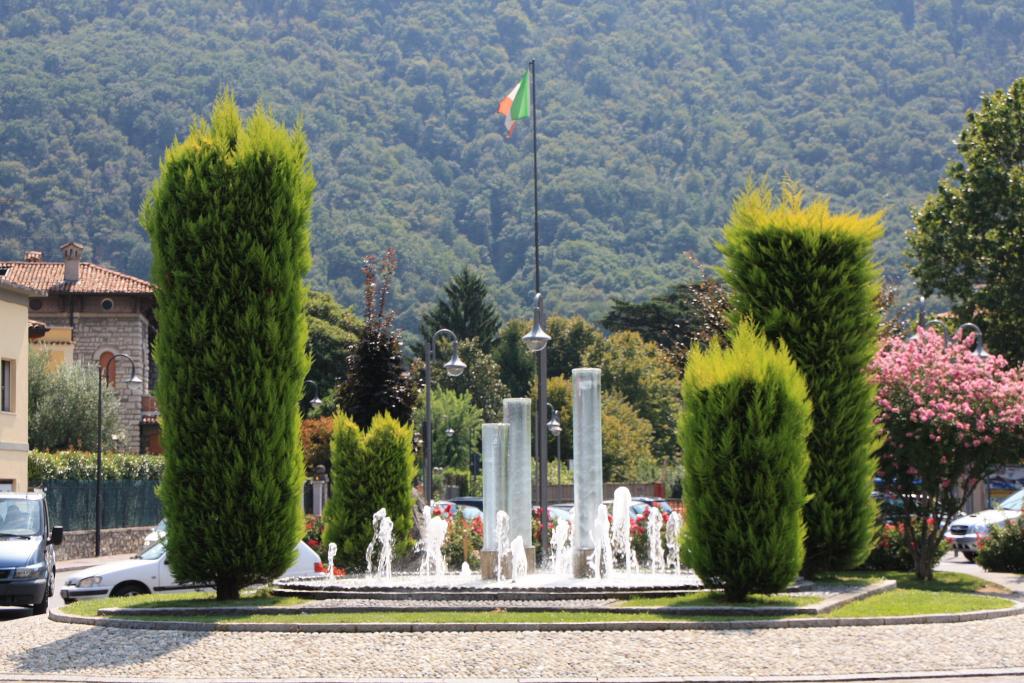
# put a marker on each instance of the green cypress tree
(229, 218)
(370, 470)
(466, 310)
(805, 275)
(744, 434)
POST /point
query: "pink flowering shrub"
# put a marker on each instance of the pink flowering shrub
(949, 419)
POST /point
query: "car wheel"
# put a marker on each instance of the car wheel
(123, 590)
(970, 556)
(40, 608)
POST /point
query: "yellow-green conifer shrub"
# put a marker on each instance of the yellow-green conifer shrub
(370, 470)
(805, 275)
(743, 431)
(228, 219)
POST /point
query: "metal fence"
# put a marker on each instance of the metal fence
(126, 503)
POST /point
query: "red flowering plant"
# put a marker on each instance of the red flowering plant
(313, 535)
(949, 419)
(463, 542)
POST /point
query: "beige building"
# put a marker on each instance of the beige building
(97, 316)
(14, 332)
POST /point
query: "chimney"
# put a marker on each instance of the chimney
(33, 256)
(72, 259)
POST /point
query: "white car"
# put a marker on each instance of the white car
(156, 534)
(963, 533)
(150, 573)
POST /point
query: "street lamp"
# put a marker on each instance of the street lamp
(555, 429)
(537, 341)
(454, 367)
(978, 346)
(105, 374)
(314, 402)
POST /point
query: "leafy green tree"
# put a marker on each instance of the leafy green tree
(450, 410)
(466, 310)
(968, 237)
(63, 406)
(571, 339)
(687, 313)
(480, 381)
(516, 363)
(804, 275)
(370, 469)
(743, 431)
(642, 372)
(229, 222)
(333, 330)
(377, 380)
(627, 438)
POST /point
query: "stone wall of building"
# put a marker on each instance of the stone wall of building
(126, 333)
(79, 544)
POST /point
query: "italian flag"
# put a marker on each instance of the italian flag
(516, 104)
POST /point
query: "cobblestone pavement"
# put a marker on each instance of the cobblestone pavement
(39, 646)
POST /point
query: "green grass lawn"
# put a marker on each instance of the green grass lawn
(89, 608)
(947, 594)
(717, 599)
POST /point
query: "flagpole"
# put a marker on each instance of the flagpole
(541, 439)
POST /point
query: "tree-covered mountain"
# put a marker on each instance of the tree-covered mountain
(652, 115)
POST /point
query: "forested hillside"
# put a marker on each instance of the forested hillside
(652, 115)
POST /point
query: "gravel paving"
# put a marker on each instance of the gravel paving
(37, 645)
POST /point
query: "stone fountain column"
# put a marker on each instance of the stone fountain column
(495, 464)
(520, 488)
(588, 483)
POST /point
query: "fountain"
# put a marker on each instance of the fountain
(621, 541)
(588, 481)
(431, 542)
(601, 557)
(581, 565)
(518, 556)
(673, 528)
(502, 547)
(561, 545)
(332, 550)
(655, 549)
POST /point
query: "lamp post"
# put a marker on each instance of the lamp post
(979, 347)
(555, 429)
(105, 374)
(454, 367)
(536, 341)
(314, 402)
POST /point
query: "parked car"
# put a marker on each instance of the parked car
(28, 563)
(156, 534)
(660, 503)
(149, 572)
(963, 533)
(469, 501)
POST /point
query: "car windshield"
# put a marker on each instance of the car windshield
(1014, 502)
(153, 552)
(20, 517)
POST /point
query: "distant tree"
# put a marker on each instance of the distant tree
(377, 380)
(228, 219)
(316, 442)
(514, 360)
(63, 405)
(466, 310)
(804, 275)
(688, 313)
(571, 340)
(968, 237)
(743, 431)
(370, 469)
(647, 379)
(481, 380)
(450, 410)
(333, 330)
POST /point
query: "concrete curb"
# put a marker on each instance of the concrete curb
(738, 625)
(979, 676)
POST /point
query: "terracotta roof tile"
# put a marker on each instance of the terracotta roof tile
(92, 279)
